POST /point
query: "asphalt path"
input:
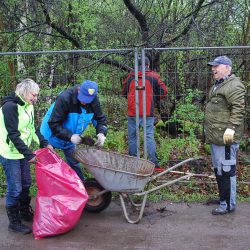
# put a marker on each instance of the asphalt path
(165, 225)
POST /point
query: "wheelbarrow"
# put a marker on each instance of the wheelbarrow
(124, 174)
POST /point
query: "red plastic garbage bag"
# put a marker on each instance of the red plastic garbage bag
(61, 196)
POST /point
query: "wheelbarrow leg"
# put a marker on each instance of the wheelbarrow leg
(141, 209)
(133, 203)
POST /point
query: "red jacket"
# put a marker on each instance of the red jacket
(155, 90)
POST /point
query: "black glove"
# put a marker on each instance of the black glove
(86, 140)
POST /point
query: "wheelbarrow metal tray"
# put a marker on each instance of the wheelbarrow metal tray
(114, 171)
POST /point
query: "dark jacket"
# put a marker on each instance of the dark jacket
(225, 109)
(67, 116)
(155, 90)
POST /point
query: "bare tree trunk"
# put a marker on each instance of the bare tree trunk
(19, 45)
(45, 61)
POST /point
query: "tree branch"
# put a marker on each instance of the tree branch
(141, 20)
(61, 31)
(188, 27)
(21, 30)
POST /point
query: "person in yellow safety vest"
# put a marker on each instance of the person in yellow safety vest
(17, 131)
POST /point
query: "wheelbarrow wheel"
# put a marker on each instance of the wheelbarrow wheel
(99, 203)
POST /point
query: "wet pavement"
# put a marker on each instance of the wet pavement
(164, 225)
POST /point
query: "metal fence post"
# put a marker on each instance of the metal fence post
(137, 104)
(144, 103)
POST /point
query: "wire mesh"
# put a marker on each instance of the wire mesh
(184, 70)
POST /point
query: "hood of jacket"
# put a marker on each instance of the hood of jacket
(12, 98)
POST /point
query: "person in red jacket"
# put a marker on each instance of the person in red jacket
(155, 90)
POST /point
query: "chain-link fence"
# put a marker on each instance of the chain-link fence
(179, 117)
(185, 71)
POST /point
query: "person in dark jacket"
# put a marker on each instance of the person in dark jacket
(155, 90)
(224, 122)
(17, 131)
(69, 116)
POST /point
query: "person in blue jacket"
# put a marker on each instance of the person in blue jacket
(69, 116)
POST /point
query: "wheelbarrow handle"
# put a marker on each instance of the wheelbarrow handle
(172, 168)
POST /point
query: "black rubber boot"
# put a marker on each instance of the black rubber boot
(25, 210)
(15, 221)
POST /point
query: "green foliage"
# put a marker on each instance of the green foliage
(168, 194)
(185, 192)
(109, 24)
(188, 114)
(90, 131)
(207, 148)
(116, 141)
(33, 188)
(245, 144)
(178, 148)
(180, 64)
(2, 182)
(4, 78)
(190, 118)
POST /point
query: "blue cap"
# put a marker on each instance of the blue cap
(220, 60)
(88, 91)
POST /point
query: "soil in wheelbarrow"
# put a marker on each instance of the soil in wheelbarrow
(165, 225)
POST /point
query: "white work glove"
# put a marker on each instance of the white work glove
(76, 139)
(228, 136)
(100, 140)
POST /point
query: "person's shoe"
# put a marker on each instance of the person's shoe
(158, 169)
(19, 228)
(221, 211)
(26, 213)
(15, 224)
(25, 210)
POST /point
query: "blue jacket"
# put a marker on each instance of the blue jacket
(66, 116)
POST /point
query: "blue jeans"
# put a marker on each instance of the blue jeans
(132, 142)
(72, 162)
(18, 179)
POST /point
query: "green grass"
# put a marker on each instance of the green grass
(193, 191)
(163, 194)
(186, 197)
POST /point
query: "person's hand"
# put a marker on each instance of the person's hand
(33, 160)
(50, 147)
(100, 140)
(228, 136)
(76, 139)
